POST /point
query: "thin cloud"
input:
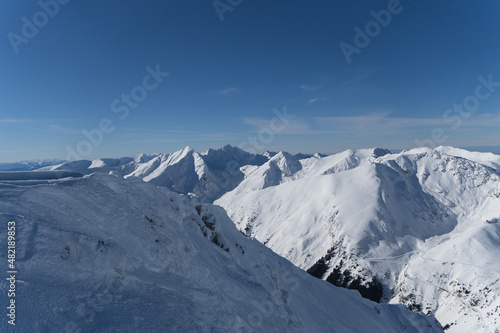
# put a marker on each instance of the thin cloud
(314, 100)
(64, 130)
(20, 151)
(228, 91)
(378, 123)
(141, 136)
(306, 87)
(370, 72)
(145, 132)
(207, 137)
(292, 126)
(8, 121)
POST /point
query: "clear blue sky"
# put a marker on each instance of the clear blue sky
(226, 76)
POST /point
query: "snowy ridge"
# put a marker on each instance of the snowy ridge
(393, 226)
(402, 228)
(486, 159)
(28, 165)
(205, 175)
(104, 254)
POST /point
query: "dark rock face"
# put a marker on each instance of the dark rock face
(208, 227)
(321, 266)
(372, 290)
(342, 277)
(318, 269)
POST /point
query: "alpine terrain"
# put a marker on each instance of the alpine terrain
(418, 228)
(100, 253)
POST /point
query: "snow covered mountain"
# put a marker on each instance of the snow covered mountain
(206, 175)
(28, 165)
(402, 228)
(100, 253)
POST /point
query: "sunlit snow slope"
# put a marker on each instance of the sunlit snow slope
(406, 228)
(205, 175)
(100, 253)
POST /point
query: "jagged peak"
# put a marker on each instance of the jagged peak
(284, 155)
(228, 149)
(379, 152)
(183, 152)
(187, 149)
(144, 158)
(268, 153)
(286, 162)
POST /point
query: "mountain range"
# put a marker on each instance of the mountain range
(100, 253)
(404, 228)
(407, 228)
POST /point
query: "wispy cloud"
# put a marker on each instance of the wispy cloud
(141, 136)
(228, 91)
(379, 124)
(366, 74)
(8, 120)
(193, 138)
(145, 132)
(64, 130)
(374, 124)
(382, 124)
(314, 100)
(20, 151)
(306, 87)
(292, 127)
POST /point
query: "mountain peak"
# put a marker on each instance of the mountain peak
(229, 147)
(187, 149)
(284, 155)
(379, 152)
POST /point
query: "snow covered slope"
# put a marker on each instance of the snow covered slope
(103, 254)
(406, 228)
(205, 175)
(28, 165)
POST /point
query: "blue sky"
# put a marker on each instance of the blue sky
(227, 76)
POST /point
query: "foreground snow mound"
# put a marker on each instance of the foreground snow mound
(103, 254)
(408, 228)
